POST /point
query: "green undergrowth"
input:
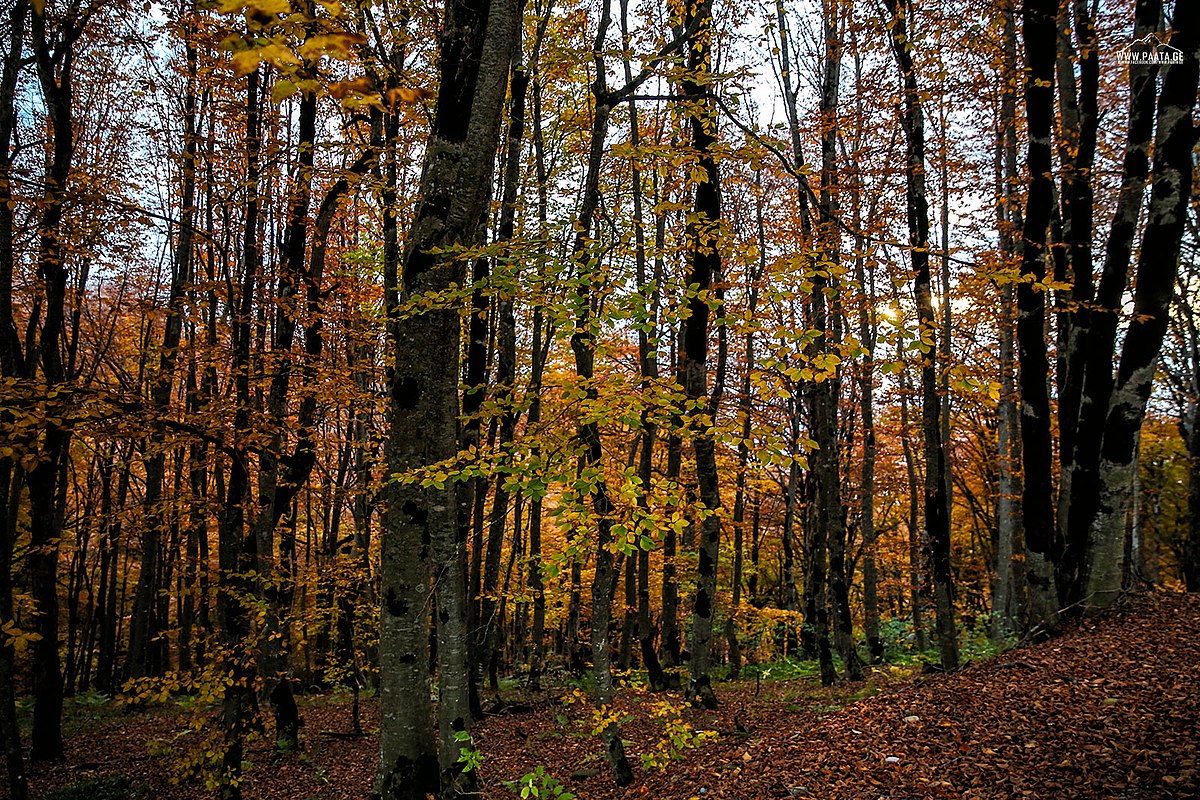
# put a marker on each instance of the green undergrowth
(110, 788)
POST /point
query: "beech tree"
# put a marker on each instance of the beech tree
(475, 52)
(937, 521)
(11, 367)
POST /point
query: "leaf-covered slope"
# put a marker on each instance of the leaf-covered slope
(1110, 710)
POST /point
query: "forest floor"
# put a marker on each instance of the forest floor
(1110, 709)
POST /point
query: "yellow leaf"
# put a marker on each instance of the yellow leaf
(39, 7)
(268, 6)
(282, 90)
(334, 45)
(406, 95)
(279, 56)
(245, 62)
(343, 89)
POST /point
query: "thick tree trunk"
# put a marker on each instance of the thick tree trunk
(505, 361)
(1008, 222)
(1096, 375)
(11, 366)
(704, 260)
(475, 52)
(1158, 262)
(1040, 37)
(44, 482)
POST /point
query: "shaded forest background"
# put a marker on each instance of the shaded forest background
(363, 344)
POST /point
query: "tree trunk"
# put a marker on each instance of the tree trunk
(591, 469)
(145, 657)
(916, 564)
(937, 521)
(1007, 222)
(704, 261)
(827, 392)
(1190, 558)
(542, 336)
(55, 73)
(1040, 37)
(1096, 375)
(11, 366)
(476, 50)
(237, 554)
(745, 407)
(1171, 191)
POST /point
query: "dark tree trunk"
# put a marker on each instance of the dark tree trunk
(1077, 212)
(916, 564)
(54, 57)
(281, 475)
(475, 53)
(1040, 38)
(237, 553)
(937, 521)
(704, 262)
(826, 393)
(590, 468)
(1189, 562)
(1097, 342)
(745, 407)
(506, 358)
(145, 657)
(11, 366)
(1157, 266)
(867, 334)
(542, 336)
(650, 300)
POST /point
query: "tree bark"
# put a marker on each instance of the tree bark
(1040, 39)
(937, 521)
(1157, 266)
(11, 366)
(475, 52)
(704, 263)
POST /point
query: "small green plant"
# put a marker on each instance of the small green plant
(677, 737)
(468, 754)
(92, 699)
(541, 785)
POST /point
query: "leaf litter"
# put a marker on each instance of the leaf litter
(1110, 710)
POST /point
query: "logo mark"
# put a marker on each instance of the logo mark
(1149, 51)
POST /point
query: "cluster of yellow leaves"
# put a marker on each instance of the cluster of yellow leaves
(603, 717)
(677, 737)
(294, 42)
(18, 639)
